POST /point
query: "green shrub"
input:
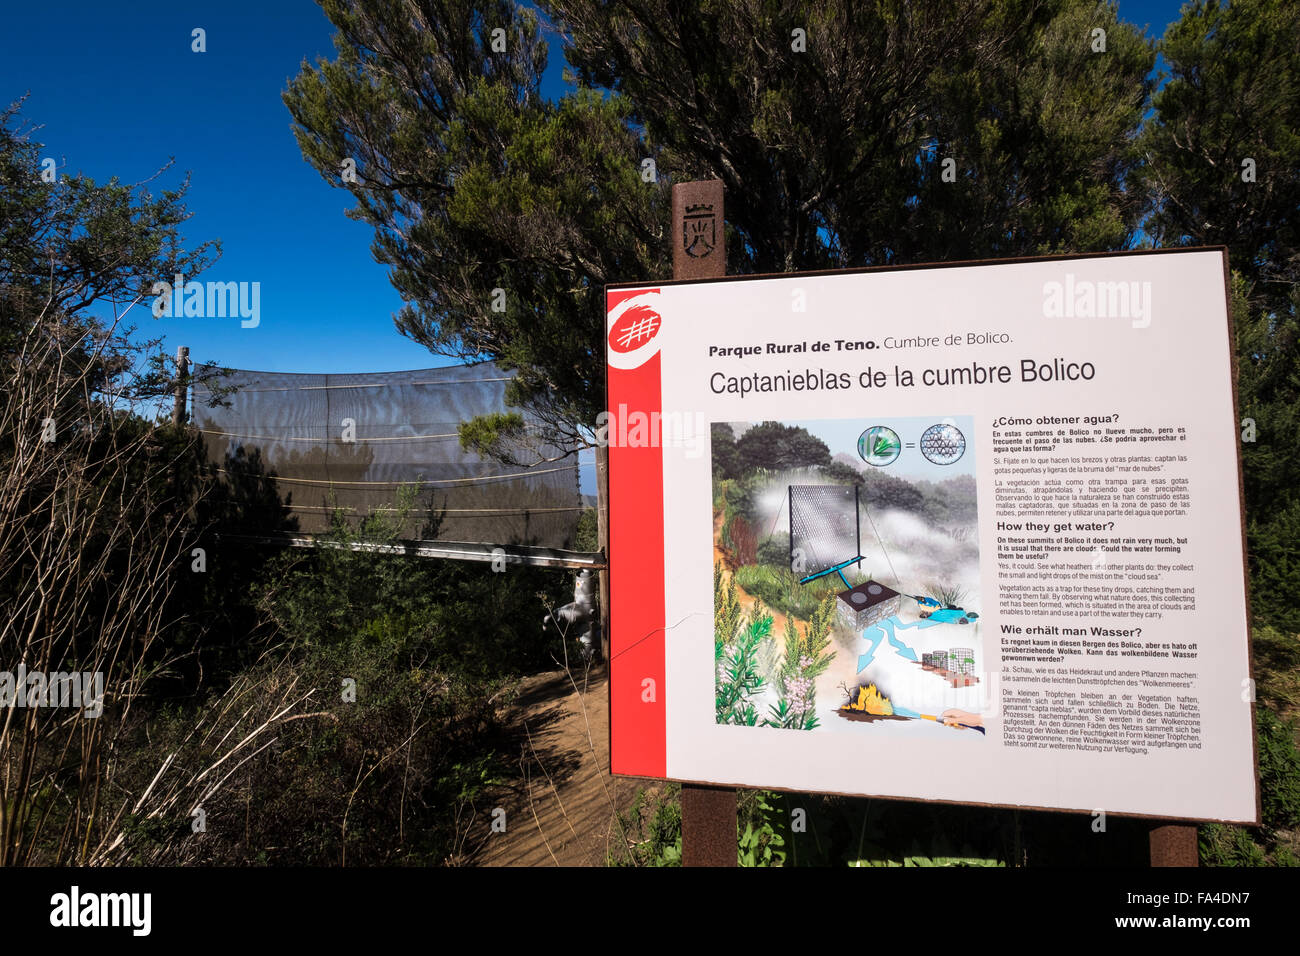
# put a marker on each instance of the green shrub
(946, 593)
(774, 551)
(587, 537)
(779, 588)
(1222, 845)
(1279, 770)
(737, 676)
(807, 656)
(468, 619)
(763, 828)
(651, 830)
(1279, 781)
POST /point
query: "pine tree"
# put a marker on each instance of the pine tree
(1220, 151)
(503, 214)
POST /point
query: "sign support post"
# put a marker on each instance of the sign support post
(699, 252)
(1174, 845)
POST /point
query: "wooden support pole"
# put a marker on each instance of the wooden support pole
(1174, 845)
(182, 384)
(699, 252)
(602, 538)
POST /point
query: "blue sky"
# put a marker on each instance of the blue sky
(118, 92)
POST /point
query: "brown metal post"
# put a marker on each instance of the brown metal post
(708, 826)
(182, 383)
(699, 252)
(698, 249)
(1174, 845)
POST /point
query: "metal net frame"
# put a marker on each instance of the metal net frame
(824, 526)
(346, 443)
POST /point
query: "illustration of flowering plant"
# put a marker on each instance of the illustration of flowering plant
(736, 644)
(806, 658)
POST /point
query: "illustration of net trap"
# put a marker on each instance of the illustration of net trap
(956, 665)
(825, 537)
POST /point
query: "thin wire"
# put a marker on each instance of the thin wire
(390, 484)
(882, 544)
(327, 440)
(507, 511)
(304, 388)
(359, 441)
(772, 530)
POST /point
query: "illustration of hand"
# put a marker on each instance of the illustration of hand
(953, 717)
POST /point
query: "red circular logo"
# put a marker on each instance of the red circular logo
(635, 327)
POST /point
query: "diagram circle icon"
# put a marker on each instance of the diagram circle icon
(879, 445)
(943, 444)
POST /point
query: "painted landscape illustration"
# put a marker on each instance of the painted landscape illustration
(846, 576)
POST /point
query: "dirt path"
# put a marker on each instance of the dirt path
(560, 809)
(560, 805)
(746, 599)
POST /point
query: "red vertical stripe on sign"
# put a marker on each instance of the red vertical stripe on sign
(638, 728)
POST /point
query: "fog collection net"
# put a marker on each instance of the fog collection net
(823, 525)
(294, 428)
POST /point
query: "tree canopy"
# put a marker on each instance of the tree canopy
(775, 446)
(1220, 152)
(503, 214)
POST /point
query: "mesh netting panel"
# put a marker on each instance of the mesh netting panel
(403, 430)
(823, 525)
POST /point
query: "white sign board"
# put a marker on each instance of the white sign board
(965, 533)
